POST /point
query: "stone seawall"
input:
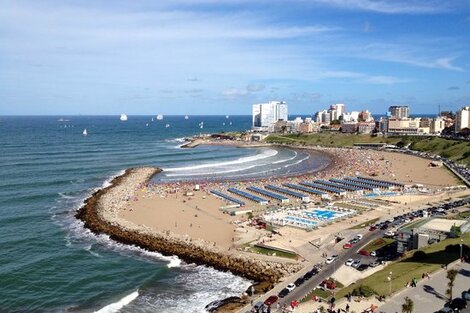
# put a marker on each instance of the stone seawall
(100, 214)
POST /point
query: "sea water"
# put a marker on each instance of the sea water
(50, 263)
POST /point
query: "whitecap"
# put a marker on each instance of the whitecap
(116, 306)
(265, 154)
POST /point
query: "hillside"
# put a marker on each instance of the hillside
(453, 149)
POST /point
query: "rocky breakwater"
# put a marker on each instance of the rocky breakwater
(100, 214)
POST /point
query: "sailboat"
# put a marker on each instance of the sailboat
(186, 117)
(226, 116)
(160, 117)
(152, 119)
(84, 133)
(123, 117)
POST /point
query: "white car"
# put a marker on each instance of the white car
(349, 262)
(290, 287)
(329, 260)
(359, 236)
(373, 253)
(356, 264)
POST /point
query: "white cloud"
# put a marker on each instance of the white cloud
(389, 6)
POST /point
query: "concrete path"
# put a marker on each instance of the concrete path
(429, 295)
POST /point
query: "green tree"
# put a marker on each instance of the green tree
(451, 275)
(407, 306)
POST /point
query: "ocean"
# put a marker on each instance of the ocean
(50, 263)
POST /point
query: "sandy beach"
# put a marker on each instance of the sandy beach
(166, 206)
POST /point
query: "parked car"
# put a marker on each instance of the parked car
(284, 292)
(308, 275)
(356, 264)
(271, 300)
(349, 262)
(359, 236)
(363, 252)
(372, 228)
(290, 287)
(329, 260)
(347, 245)
(374, 264)
(258, 306)
(373, 253)
(445, 310)
(458, 304)
(299, 281)
(329, 284)
(362, 267)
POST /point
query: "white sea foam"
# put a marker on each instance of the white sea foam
(212, 172)
(265, 154)
(298, 162)
(116, 306)
(286, 160)
(64, 196)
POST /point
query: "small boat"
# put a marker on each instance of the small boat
(186, 117)
(160, 117)
(147, 124)
(201, 126)
(123, 117)
(152, 119)
(223, 124)
(85, 133)
(167, 125)
(230, 123)
(226, 116)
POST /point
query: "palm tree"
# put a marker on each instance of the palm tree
(451, 275)
(407, 306)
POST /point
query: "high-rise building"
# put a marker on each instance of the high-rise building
(399, 111)
(340, 109)
(266, 114)
(462, 119)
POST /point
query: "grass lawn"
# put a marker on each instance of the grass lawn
(365, 224)
(266, 251)
(464, 215)
(377, 244)
(405, 269)
(319, 292)
(453, 149)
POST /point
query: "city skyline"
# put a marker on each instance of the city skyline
(190, 57)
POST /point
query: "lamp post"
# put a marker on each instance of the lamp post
(461, 249)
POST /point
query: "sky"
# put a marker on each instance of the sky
(220, 57)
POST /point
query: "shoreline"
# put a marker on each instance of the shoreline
(100, 215)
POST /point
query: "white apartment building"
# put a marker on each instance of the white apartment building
(266, 114)
(399, 111)
(462, 119)
(351, 117)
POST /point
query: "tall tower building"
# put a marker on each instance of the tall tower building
(266, 114)
(399, 111)
(462, 119)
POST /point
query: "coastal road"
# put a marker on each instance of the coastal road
(328, 270)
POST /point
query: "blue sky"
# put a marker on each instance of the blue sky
(219, 57)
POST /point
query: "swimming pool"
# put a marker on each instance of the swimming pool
(323, 214)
